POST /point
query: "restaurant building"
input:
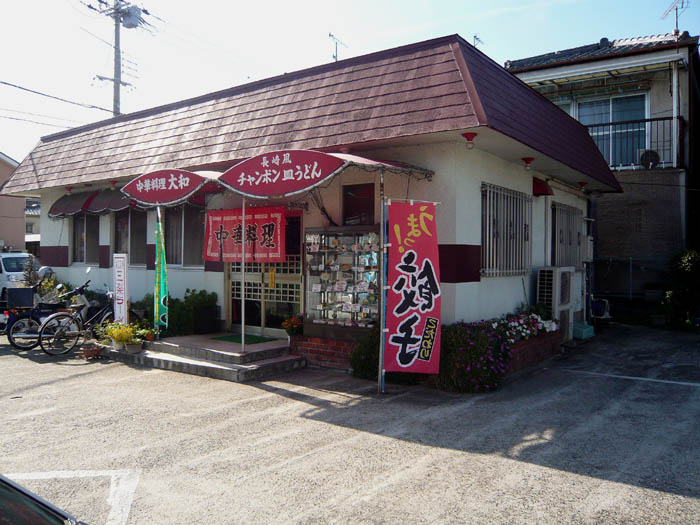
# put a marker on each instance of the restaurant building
(437, 121)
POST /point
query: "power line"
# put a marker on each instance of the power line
(40, 115)
(89, 106)
(35, 122)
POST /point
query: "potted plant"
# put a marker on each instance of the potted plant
(146, 334)
(121, 335)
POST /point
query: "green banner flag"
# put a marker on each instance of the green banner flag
(160, 295)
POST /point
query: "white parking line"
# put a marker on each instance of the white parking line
(634, 378)
(121, 488)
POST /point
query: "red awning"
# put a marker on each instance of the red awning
(107, 201)
(540, 187)
(71, 204)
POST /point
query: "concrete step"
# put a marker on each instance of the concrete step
(215, 369)
(213, 354)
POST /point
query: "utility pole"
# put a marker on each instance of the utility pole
(128, 15)
(117, 60)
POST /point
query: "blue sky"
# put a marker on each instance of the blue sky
(58, 46)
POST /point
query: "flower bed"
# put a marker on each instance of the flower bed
(475, 357)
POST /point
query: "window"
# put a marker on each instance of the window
(617, 127)
(172, 229)
(86, 235)
(567, 235)
(506, 218)
(130, 235)
(28, 227)
(358, 204)
(137, 240)
(194, 235)
(190, 220)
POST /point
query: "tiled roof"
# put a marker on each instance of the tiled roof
(601, 50)
(438, 85)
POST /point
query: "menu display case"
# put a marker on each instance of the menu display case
(341, 280)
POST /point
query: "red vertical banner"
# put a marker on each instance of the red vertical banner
(413, 301)
(264, 235)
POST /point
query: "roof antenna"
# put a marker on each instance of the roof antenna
(477, 41)
(676, 5)
(336, 41)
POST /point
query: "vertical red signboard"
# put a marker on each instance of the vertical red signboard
(412, 342)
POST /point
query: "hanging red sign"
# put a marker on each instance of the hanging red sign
(164, 187)
(281, 173)
(264, 235)
(412, 340)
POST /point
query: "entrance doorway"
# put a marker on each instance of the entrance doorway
(273, 291)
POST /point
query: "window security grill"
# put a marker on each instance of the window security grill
(506, 226)
(567, 229)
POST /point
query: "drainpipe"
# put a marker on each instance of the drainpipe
(675, 114)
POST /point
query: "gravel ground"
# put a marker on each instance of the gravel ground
(608, 433)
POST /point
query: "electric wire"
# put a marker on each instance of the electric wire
(41, 115)
(35, 122)
(82, 104)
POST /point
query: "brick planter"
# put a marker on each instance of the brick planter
(318, 351)
(529, 352)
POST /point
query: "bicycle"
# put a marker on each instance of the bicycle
(62, 331)
(24, 319)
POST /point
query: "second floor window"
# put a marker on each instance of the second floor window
(506, 228)
(617, 127)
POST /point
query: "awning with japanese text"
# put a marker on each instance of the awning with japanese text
(264, 235)
(412, 342)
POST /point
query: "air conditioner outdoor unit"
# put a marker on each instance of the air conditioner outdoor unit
(554, 292)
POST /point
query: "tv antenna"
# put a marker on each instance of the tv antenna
(477, 41)
(678, 6)
(336, 41)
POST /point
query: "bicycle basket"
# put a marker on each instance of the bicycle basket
(20, 298)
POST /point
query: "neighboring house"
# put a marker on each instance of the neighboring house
(488, 139)
(32, 218)
(11, 211)
(639, 99)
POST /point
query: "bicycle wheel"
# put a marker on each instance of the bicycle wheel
(59, 334)
(23, 334)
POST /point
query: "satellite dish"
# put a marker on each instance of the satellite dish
(650, 159)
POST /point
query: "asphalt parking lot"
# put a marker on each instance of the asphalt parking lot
(610, 432)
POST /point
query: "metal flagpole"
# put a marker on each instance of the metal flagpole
(382, 280)
(243, 279)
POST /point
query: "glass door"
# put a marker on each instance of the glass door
(272, 290)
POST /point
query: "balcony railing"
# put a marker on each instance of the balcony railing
(623, 144)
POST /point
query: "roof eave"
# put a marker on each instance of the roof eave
(671, 45)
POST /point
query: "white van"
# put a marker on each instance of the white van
(12, 271)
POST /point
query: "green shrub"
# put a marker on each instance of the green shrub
(364, 361)
(681, 301)
(181, 312)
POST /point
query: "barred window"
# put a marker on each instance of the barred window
(567, 235)
(506, 225)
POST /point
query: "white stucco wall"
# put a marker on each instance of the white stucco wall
(456, 185)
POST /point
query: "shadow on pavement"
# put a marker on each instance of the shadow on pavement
(630, 431)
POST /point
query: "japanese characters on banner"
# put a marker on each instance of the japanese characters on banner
(121, 287)
(164, 187)
(264, 235)
(284, 172)
(412, 342)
